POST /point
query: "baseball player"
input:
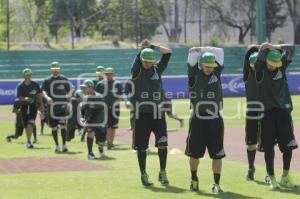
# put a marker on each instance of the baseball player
(252, 116)
(57, 91)
(72, 122)
(206, 129)
(19, 126)
(146, 99)
(112, 91)
(43, 116)
(94, 109)
(276, 124)
(100, 74)
(29, 94)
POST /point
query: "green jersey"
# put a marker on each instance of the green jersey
(57, 88)
(273, 91)
(73, 120)
(30, 91)
(94, 109)
(111, 90)
(148, 90)
(205, 90)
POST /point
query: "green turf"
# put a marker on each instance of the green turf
(121, 180)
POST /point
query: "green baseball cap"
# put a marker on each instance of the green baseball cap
(27, 72)
(87, 83)
(253, 58)
(274, 58)
(208, 59)
(109, 70)
(55, 65)
(147, 55)
(100, 69)
(79, 93)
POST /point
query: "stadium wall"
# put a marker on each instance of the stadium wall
(176, 86)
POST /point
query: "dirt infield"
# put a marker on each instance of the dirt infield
(234, 144)
(39, 165)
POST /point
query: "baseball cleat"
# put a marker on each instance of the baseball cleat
(162, 178)
(267, 180)
(250, 175)
(274, 184)
(65, 148)
(194, 185)
(8, 139)
(216, 189)
(57, 149)
(145, 180)
(29, 145)
(287, 182)
(91, 156)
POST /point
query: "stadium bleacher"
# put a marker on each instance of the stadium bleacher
(76, 62)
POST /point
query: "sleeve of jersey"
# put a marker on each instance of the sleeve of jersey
(136, 66)
(261, 60)
(218, 52)
(163, 63)
(19, 91)
(246, 64)
(193, 58)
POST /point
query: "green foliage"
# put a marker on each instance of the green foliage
(118, 18)
(276, 15)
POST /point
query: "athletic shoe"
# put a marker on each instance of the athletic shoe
(216, 189)
(194, 185)
(145, 180)
(274, 184)
(101, 152)
(8, 139)
(64, 148)
(287, 182)
(181, 123)
(35, 141)
(29, 145)
(110, 145)
(162, 178)
(250, 175)
(267, 180)
(57, 149)
(91, 156)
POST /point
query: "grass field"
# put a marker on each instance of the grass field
(121, 180)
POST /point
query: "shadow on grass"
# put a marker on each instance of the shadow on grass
(167, 189)
(295, 191)
(69, 153)
(104, 158)
(225, 195)
(40, 148)
(118, 148)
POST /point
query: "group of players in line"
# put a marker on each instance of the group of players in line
(268, 118)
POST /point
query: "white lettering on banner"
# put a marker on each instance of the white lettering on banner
(7, 92)
(234, 85)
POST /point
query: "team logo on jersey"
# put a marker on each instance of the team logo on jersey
(33, 92)
(155, 76)
(213, 79)
(163, 139)
(278, 75)
(221, 153)
(292, 143)
(60, 87)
